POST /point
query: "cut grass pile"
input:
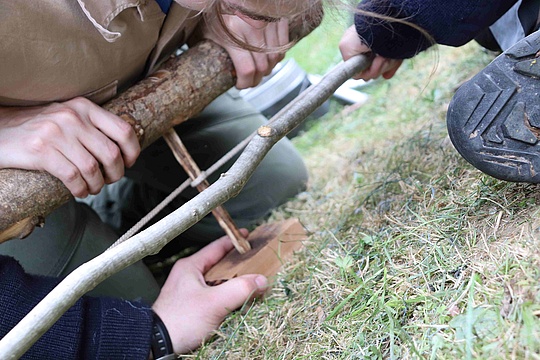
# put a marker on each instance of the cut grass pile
(412, 252)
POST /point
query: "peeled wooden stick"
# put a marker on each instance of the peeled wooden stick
(220, 213)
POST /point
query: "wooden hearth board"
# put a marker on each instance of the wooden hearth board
(272, 246)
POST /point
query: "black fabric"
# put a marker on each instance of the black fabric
(161, 341)
(165, 5)
(452, 23)
(93, 328)
(487, 40)
(529, 16)
(528, 13)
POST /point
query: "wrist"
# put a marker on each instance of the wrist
(161, 347)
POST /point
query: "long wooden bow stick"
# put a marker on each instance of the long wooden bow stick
(151, 240)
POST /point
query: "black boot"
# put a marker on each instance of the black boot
(494, 119)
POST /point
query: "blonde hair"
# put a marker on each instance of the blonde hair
(352, 6)
(301, 23)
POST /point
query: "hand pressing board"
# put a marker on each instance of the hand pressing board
(272, 245)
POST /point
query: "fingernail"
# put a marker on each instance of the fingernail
(261, 282)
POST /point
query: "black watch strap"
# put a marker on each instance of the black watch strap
(162, 348)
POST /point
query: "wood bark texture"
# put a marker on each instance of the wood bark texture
(182, 87)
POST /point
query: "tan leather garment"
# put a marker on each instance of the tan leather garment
(54, 50)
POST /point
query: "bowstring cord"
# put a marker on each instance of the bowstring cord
(203, 176)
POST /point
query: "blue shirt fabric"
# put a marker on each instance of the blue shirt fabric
(453, 23)
(93, 328)
(165, 5)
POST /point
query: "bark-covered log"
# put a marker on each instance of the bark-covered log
(83, 279)
(179, 90)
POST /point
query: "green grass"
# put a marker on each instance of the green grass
(412, 252)
(319, 52)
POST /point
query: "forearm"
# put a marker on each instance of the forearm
(94, 328)
(451, 23)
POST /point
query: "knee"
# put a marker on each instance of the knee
(294, 177)
(281, 177)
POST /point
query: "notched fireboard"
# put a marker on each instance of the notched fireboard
(272, 246)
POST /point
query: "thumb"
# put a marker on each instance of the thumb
(236, 292)
(351, 44)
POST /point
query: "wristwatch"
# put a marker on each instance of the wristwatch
(161, 344)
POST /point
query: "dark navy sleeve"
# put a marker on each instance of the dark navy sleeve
(94, 328)
(449, 22)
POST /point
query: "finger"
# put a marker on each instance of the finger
(389, 73)
(236, 292)
(66, 137)
(59, 166)
(272, 40)
(120, 132)
(244, 65)
(375, 70)
(283, 36)
(208, 256)
(260, 59)
(283, 32)
(50, 144)
(113, 127)
(107, 153)
(351, 44)
(263, 66)
(51, 160)
(87, 165)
